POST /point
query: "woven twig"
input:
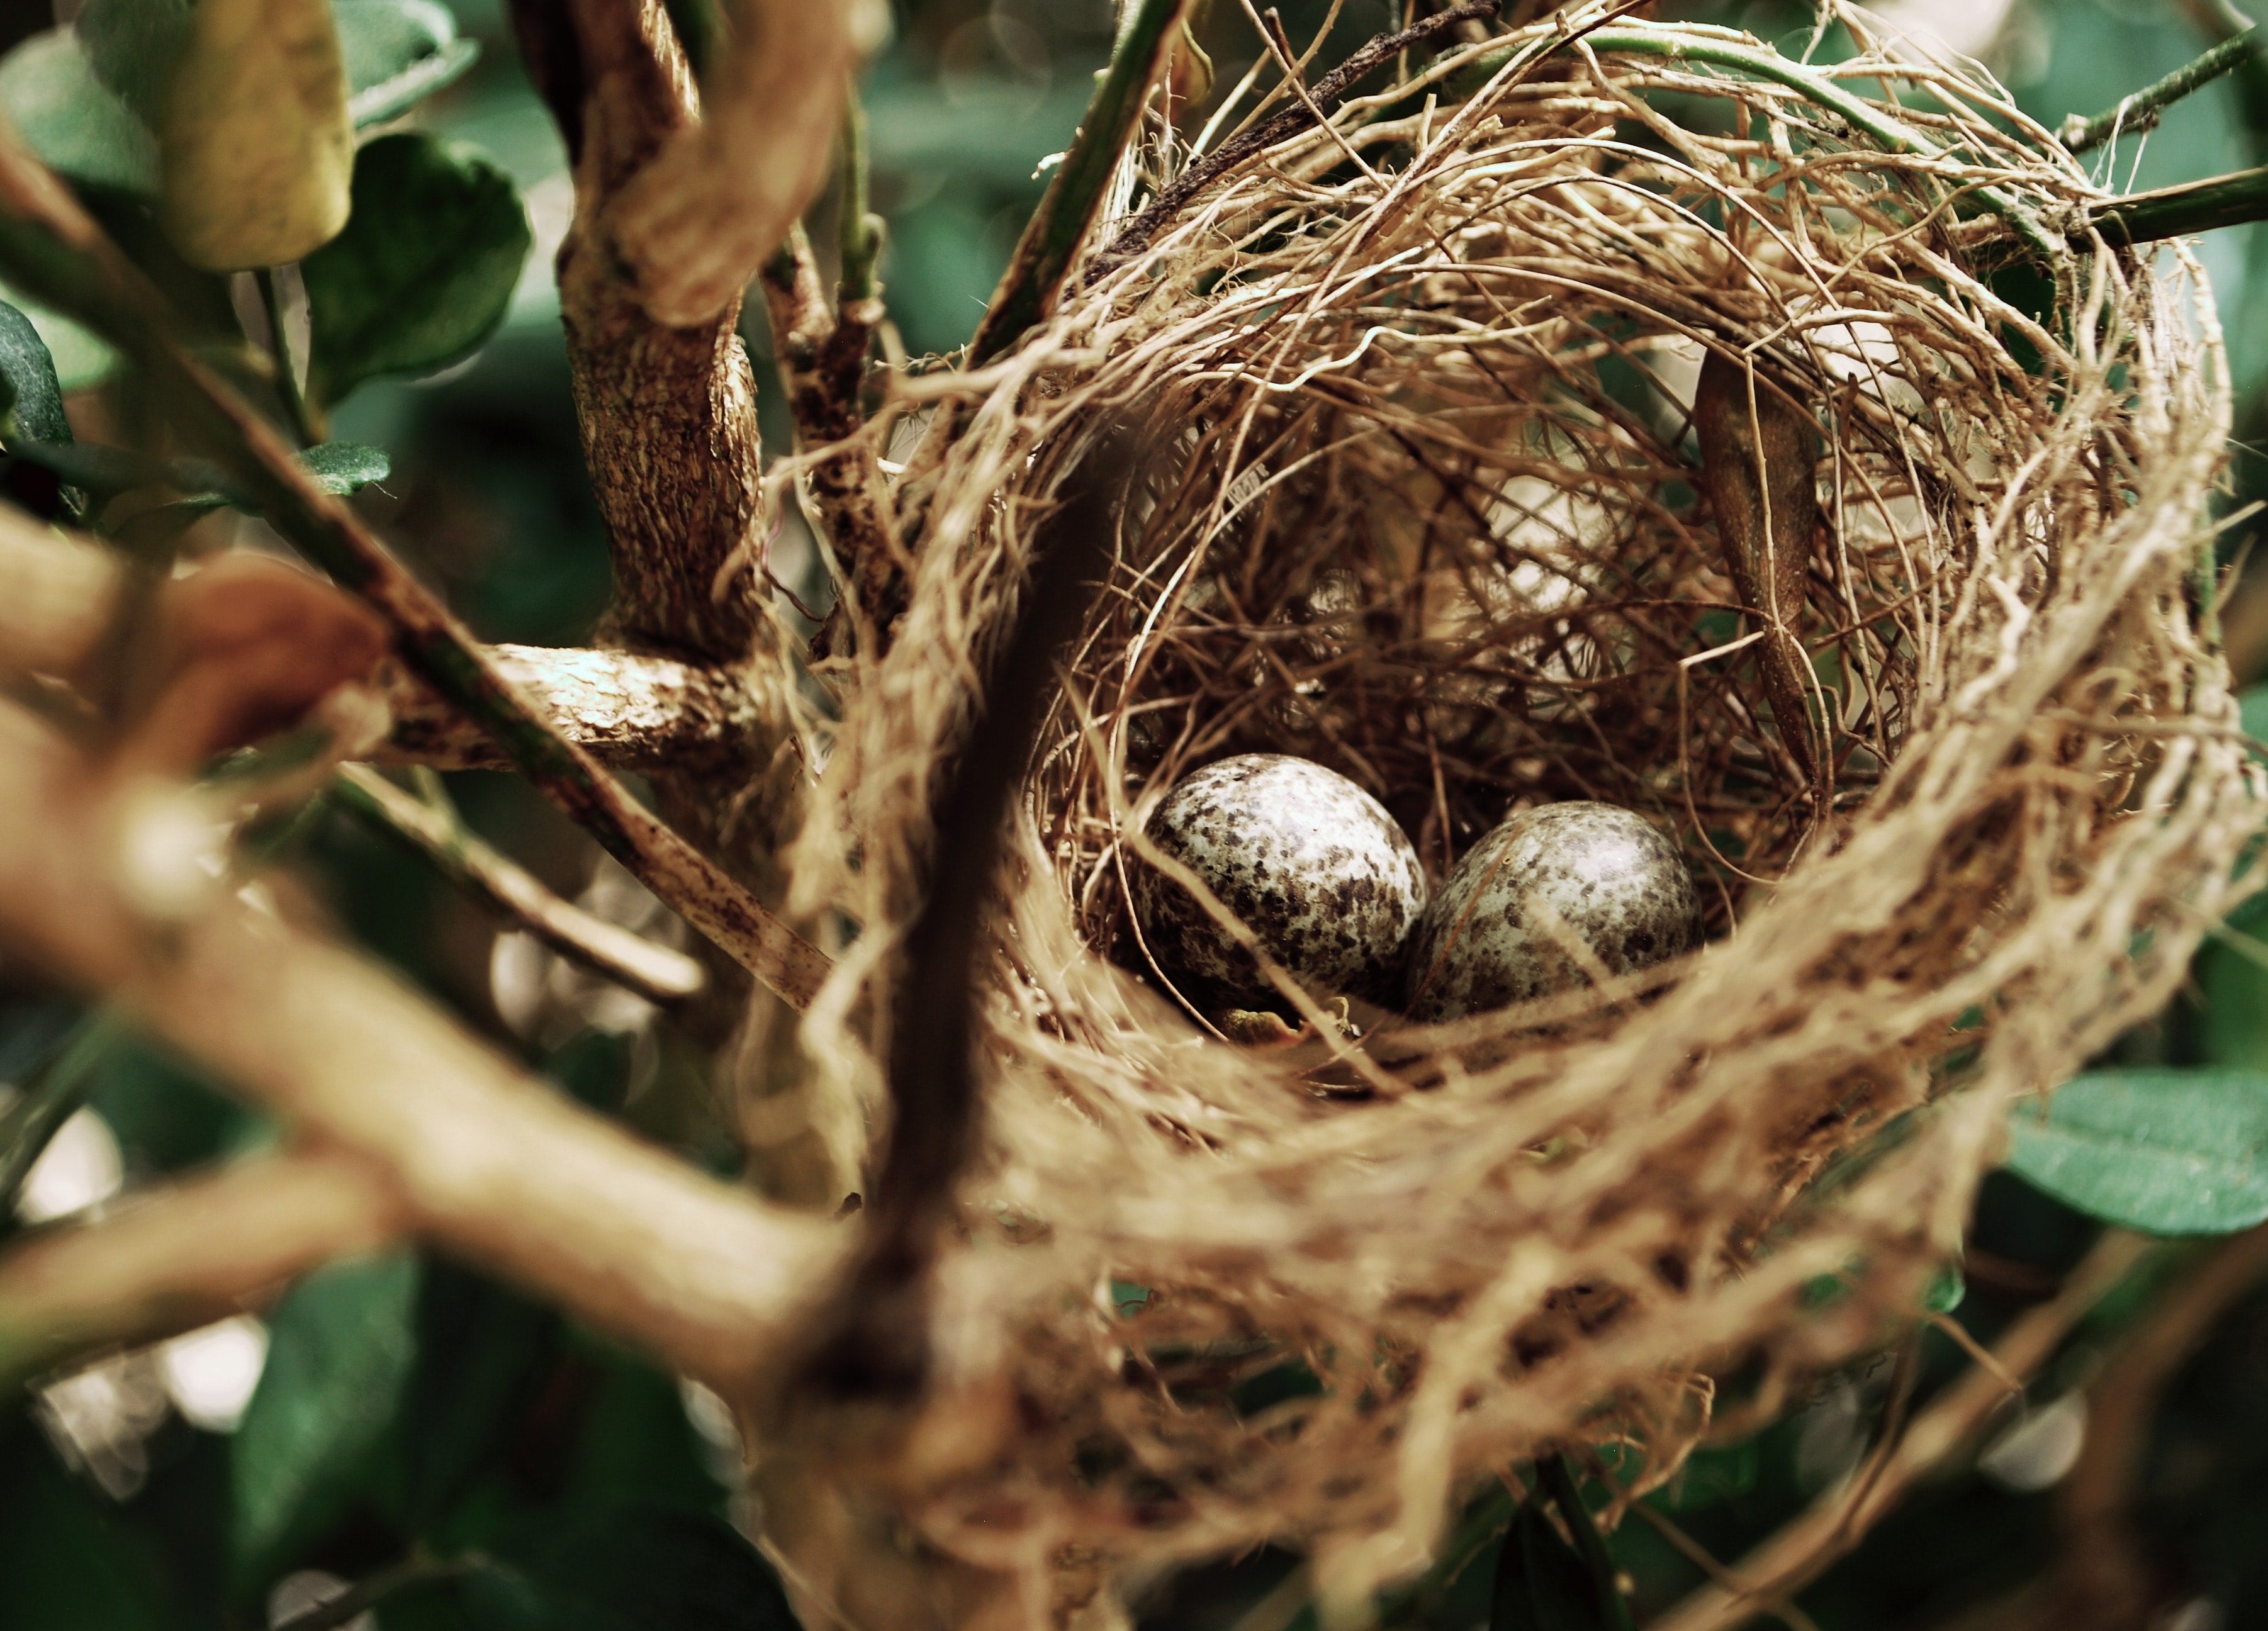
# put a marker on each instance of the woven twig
(1432, 519)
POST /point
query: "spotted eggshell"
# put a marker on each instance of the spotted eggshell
(1613, 878)
(1311, 863)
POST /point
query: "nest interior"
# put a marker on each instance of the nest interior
(1423, 504)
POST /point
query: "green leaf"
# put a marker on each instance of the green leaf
(424, 270)
(35, 395)
(2165, 1151)
(1541, 1584)
(652, 1569)
(76, 125)
(339, 1353)
(339, 467)
(1945, 1290)
(397, 53)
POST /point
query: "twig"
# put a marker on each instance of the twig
(633, 712)
(28, 1124)
(174, 1258)
(822, 358)
(878, 1345)
(1053, 235)
(2177, 211)
(1806, 1547)
(2141, 111)
(48, 245)
(656, 973)
(1893, 133)
(1324, 96)
(486, 1160)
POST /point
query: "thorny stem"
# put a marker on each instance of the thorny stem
(1052, 236)
(2140, 111)
(656, 973)
(307, 420)
(50, 246)
(28, 1124)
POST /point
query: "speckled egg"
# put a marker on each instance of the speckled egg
(1614, 878)
(1310, 862)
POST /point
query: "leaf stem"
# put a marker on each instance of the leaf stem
(656, 973)
(2140, 111)
(1052, 236)
(307, 420)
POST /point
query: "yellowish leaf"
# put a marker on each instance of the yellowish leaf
(256, 143)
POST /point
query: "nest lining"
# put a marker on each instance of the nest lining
(1423, 507)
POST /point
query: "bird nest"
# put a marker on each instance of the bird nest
(1423, 504)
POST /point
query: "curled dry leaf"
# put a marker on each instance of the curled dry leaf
(253, 138)
(248, 646)
(715, 203)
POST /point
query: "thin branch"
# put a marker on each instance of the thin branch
(656, 973)
(2140, 112)
(174, 1258)
(1326, 94)
(632, 710)
(2178, 211)
(878, 1343)
(487, 1161)
(49, 246)
(1806, 1547)
(1051, 237)
(822, 358)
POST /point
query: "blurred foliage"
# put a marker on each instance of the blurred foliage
(419, 1428)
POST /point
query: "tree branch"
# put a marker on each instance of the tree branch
(2177, 211)
(822, 358)
(718, 199)
(877, 1343)
(181, 1256)
(1043, 253)
(2139, 112)
(633, 712)
(51, 247)
(485, 1160)
(667, 414)
(656, 973)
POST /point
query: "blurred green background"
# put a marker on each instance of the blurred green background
(408, 1411)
